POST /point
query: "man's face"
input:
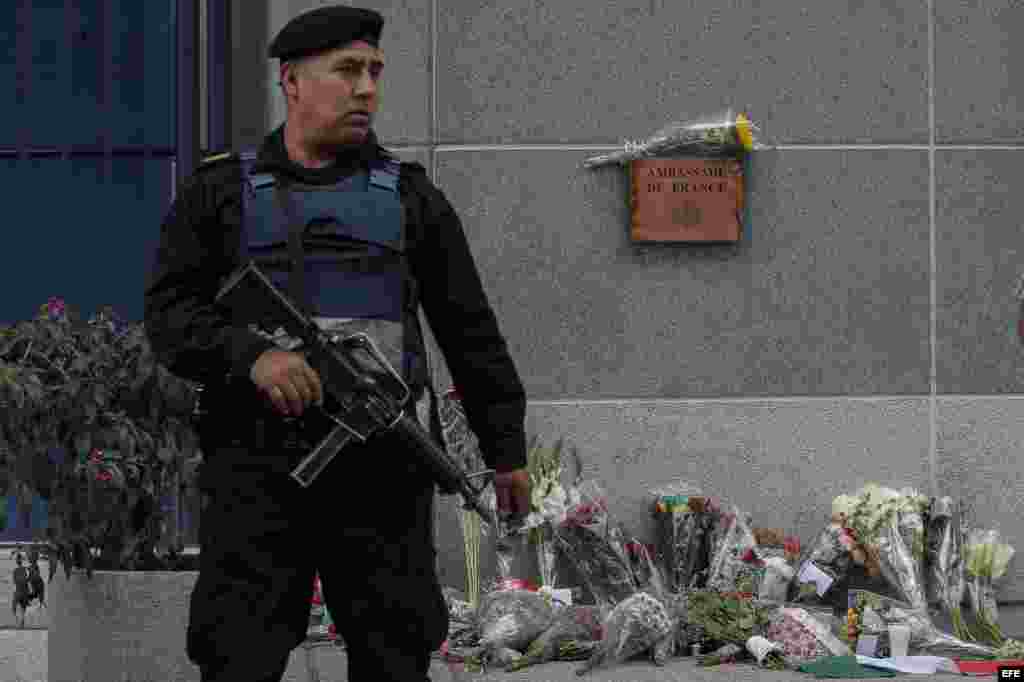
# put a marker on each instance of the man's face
(333, 96)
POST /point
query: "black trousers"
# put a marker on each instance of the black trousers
(366, 525)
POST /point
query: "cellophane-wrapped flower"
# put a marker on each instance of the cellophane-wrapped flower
(945, 581)
(549, 503)
(779, 554)
(802, 637)
(987, 560)
(513, 618)
(632, 627)
(722, 133)
(732, 618)
(595, 546)
(649, 578)
(578, 623)
(736, 565)
(678, 515)
(877, 524)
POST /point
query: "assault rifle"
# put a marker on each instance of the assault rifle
(363, 395)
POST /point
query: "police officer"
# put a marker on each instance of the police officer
(377, 241)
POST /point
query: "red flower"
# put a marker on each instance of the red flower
(791, 545)
(749, 556)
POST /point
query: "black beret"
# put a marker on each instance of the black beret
(325, 29)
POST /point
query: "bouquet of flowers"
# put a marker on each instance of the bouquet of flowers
(875, 537)
(945, 581)
(802, 637)
(681, 522)
(779, 554)
(513, 618)
(635, 625)
(596, 547)
(726, 618)
(646, 574)
(549, 502)
(648, 578)
(722, 133)
(736, 565)
(572, 624)
(987, 560)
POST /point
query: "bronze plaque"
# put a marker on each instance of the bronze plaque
(686, 200)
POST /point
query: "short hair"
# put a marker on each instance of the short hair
(299, 65)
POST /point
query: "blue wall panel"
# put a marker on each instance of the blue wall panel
(82, 229)
(65, 100)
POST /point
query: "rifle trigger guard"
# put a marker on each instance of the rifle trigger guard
(363, 341)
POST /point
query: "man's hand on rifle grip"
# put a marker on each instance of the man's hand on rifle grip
(287, 380)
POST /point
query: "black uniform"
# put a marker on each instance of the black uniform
(366, 523)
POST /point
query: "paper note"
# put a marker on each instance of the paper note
(812, 574)
(867, 645)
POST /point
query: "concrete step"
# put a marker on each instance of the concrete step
(329, 665)
(23, 659)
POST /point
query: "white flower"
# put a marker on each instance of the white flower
(1001, 559)
(844, 504)
(574, 497)
(553, 505)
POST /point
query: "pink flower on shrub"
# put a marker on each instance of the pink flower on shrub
(55, 307)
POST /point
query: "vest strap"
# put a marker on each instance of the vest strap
(297, 277)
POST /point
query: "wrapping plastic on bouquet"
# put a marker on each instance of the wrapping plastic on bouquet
(827, 563)
(899, 568)
(938, 557)
(571, 624)
(723, 133)
(988, 557)
(595, 546)
(736, 566)
(633, 626)
(679, 511)
(777, 579)
(803, 637)
(513, 618)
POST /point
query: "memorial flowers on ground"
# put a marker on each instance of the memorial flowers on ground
(741, 601)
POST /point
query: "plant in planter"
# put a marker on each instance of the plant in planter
(94, 389)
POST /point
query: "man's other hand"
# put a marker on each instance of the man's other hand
(512, 489)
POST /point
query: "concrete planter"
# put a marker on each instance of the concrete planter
(120, 626)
